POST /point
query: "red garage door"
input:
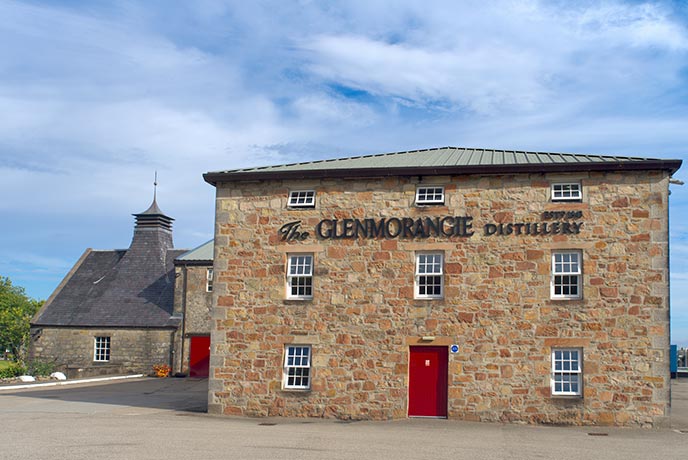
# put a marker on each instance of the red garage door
(428, 382)
(199, 359)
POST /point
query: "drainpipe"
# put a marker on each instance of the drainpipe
(183, 328)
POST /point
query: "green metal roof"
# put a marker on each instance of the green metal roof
(445, 160)
(202, 253)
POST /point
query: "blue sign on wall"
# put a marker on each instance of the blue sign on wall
(454, 348)
(673, 357)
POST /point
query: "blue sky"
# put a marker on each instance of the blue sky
(96, 96)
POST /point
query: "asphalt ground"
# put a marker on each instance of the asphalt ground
(165, 419)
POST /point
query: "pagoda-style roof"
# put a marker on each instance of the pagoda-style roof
(153, 217)
(131, 287)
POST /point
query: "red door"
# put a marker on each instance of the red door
(428, 382)
(199, 356)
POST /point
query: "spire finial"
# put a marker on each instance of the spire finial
(155, 186)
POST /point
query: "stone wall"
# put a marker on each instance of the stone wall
(132, 351)
(194, 303)
(496, 306)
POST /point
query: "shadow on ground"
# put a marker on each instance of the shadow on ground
(178, 394)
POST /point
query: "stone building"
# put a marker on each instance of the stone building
(193, 302)
(471, 284)
(114, 312)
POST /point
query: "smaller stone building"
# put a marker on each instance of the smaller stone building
(193, 297)
(114, 312)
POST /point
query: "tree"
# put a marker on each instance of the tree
(16, 311)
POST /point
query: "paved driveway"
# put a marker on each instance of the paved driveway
(163, 418)
(679, 404)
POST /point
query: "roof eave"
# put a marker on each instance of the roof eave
(78, 325)
(213, 178)
(192, 262)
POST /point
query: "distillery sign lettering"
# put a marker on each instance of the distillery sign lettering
(554, 223)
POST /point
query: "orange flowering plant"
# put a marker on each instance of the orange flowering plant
(162, 370)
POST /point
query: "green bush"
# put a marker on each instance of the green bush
(40, 368)
(13, 370)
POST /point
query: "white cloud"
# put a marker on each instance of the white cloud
(507, 57)
(640, 25)
(481, 79)
(322, 109)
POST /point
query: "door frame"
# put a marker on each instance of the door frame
(445, 352)
(191, 349)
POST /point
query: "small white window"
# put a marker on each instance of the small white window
(302, 199)
(297, 367)
(300, 276)
(566, 192)
(101, 349)
(429, 276)
(430, 195)
(566, 275)
(566, 372)
(209, 280)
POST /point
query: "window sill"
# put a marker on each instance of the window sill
(565, 299)
(567, 398)
(296, 301)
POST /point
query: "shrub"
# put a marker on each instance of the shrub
(13, 370)
(40, 368)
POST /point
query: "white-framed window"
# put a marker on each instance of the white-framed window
(429, 278)
(566, 275)
(302, 199)
(569, 191)
(430, 195)
(101, 349)
(300, 276)
(297, 367)
(567, 371)
(209, 280)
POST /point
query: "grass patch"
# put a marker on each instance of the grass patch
(11, 369)
(4, 364)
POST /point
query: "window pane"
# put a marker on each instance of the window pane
(566, 270)
(304, 198)
(300, 276)
(297, 367)
(566, 375)
(566, 191)
(429, 275)
(430, 195)
(101, 349)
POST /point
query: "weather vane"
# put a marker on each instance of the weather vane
(155, 186)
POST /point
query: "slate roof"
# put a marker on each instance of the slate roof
(202, 254)
(444, 160)
(118, 288)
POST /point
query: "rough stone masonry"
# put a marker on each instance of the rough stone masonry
(496, 305)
